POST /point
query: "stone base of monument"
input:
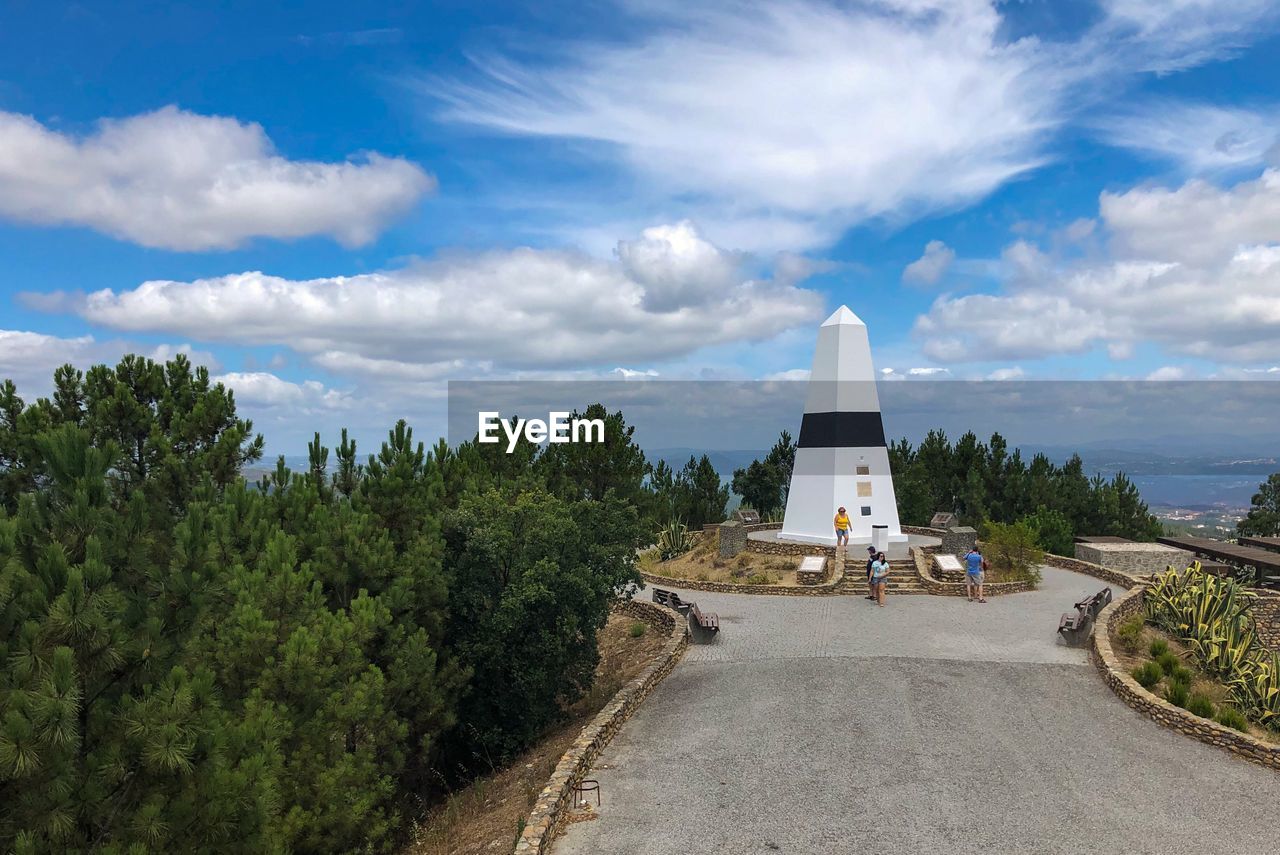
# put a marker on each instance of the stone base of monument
(770, 542)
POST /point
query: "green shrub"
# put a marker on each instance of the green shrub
(1129, 635)
(1200, 704)
(1169, 661)
(637, 629)
(760, 579)
(1158, 648)
(1233, 718)
(1177, 694)
(1148, 674)
(1013, 551)
(1178, 674)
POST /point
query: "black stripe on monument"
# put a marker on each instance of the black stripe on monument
(841, 430)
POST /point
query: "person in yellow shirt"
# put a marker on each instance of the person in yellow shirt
(842, 528)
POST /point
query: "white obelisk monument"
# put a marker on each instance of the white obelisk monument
(841, 457)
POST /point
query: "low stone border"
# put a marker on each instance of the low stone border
(923, 529)
(1114, 577)
(940, 587)
(787, 547)
(710, 528)
(548, 814)
(1158, 709)
(822, 590)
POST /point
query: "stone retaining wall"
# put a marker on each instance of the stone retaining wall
(1134, 559)
(923, 529)
(764, 526)
(786, 547)
(1267, 616)
(1114, 577)
(548, 813)
(923, 556)
(1158, 709)
(828, 587)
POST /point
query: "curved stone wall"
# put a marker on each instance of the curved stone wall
(548, 813)
(1114, 577)
(923, 556)
(828, 587)
(1158, 709)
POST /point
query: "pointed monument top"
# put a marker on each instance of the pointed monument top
(842, 315)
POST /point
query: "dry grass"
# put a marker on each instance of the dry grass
(703, 563)
(486, 816)
(1200, 680)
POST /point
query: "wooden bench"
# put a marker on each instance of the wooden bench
(670, 599)
(1096, 603)
(706, 622)
(1075, 627)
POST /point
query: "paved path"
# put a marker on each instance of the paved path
(830, 725)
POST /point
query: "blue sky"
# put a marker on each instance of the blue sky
(338, 208)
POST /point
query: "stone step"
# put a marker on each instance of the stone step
(863, 589)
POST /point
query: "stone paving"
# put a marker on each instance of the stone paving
(830, 725)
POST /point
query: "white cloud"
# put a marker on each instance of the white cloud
(1197, 222)
(1200, 138)
(166, 352)
(791, 374)
(30, 358)
(798, 115)
(262, 390)
(1168, 372)
(634, 374)
(1172, 35)
(1014, 373)
(1195, 270)
(780, 124)
(929, 268)
(523, 309)
(1078, 230)
(178, 180)
(677, 267)
(925, 373)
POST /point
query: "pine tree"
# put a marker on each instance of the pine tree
(1263, 519)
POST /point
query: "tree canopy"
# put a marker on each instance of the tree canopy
(194, 663)
(1263, 519)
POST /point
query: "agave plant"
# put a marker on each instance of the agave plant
(673, 539)
(1256, 688)
(1197, 606)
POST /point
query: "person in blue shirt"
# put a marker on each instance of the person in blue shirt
(975, 573)
(879, 576)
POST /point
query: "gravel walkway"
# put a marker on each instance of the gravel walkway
(931, 725)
